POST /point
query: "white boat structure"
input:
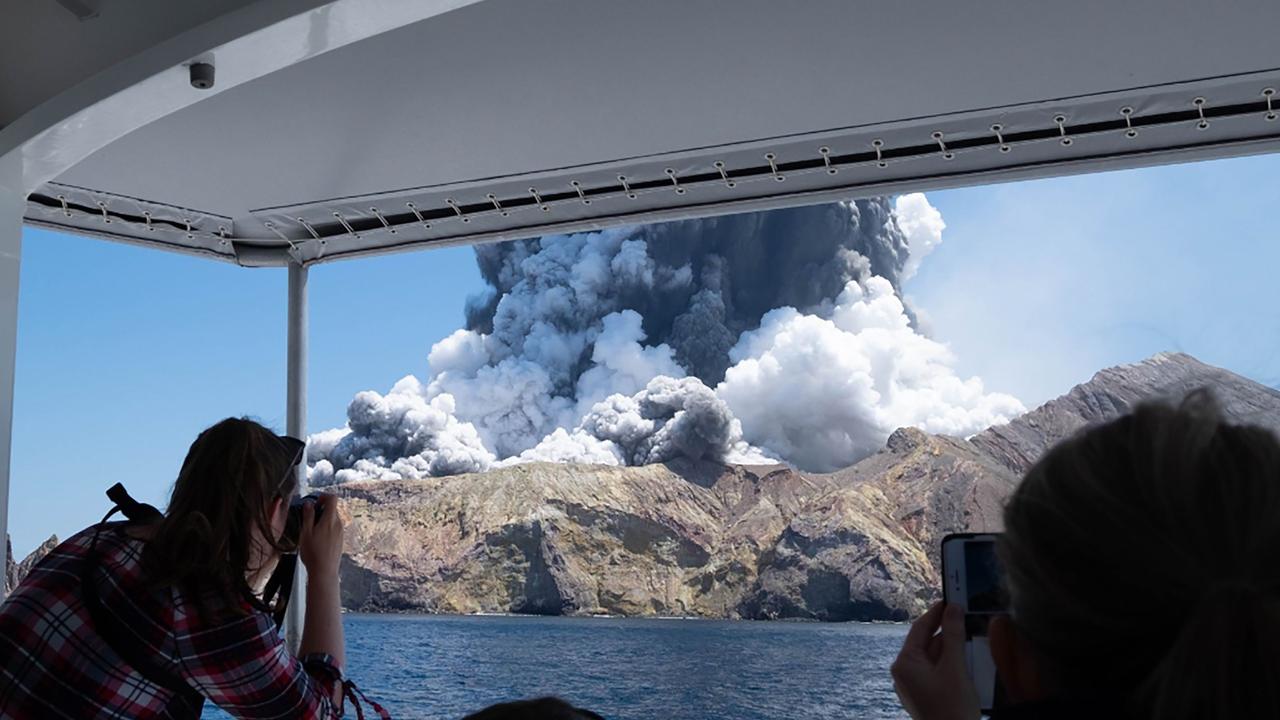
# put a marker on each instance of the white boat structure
(286, 133)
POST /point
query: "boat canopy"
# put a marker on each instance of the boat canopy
(278, 133)
(341, 129)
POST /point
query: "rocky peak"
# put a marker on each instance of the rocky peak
(10, 567)
(16, 571)
(904, 440)
(1112, 392)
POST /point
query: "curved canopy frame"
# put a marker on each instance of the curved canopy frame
(356, 127)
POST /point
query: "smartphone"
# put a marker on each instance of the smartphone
(972, 579)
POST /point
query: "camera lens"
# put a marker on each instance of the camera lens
(293, 522)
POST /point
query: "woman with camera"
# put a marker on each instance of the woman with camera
(148, 620)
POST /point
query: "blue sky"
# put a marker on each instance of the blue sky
(126, 354)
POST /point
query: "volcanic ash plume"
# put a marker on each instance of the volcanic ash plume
(749, 338)
(400, 435)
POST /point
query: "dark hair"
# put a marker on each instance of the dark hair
(547, 708)
(229, 479)
(1143, 559)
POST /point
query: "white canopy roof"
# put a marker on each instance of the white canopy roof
(361, 126)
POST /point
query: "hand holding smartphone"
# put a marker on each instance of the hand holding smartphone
(973, 580)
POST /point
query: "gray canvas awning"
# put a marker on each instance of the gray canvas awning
(510, 118)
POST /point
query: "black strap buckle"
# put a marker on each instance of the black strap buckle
(132, 509)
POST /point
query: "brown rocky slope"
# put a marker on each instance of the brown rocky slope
(710, 540)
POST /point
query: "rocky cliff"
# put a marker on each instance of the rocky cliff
(10, 567)
(678, 539)
(701, 540)
(1112, 392)
(14, 572)
(725, 541)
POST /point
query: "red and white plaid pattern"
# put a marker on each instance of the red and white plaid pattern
(54, 665)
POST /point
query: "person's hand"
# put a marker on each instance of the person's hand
(320, 541)
(930, 674)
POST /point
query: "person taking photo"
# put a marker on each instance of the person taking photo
(149, 620)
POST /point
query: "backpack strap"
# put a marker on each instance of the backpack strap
(117, 637)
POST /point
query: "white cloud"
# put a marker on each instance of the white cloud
(922, 224)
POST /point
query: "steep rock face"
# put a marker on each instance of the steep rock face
(689, 539)
(934, 485)
(844, 558)
(533, 538)
(696, 539)
(10, 567)
(1113, 392)
(16, 571)
(900, 502)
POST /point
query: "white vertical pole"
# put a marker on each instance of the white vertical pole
(12, 206)
(296, 422)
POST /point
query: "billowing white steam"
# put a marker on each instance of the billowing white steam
(604, 348)
(826, 391)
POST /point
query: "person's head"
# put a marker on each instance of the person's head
(547, 708)
(1143, 564)
(227, 510)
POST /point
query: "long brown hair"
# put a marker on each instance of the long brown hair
(232, 474)
(1143, 559)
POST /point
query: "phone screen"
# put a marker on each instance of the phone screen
(973, 580)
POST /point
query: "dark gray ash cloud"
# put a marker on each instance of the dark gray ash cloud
(702, 282)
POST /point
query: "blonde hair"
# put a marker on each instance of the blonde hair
(1143, 559)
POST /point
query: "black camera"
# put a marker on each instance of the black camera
(293, 523)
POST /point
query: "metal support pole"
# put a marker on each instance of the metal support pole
(296, 422)
(12, 206)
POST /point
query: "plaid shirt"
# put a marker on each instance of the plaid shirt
(54, 665)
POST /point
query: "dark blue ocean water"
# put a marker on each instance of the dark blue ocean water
(445, 667)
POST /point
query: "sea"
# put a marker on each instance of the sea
(444, 667)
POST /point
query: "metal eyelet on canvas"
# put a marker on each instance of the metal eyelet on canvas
(946, 154)
(998, 129)
(724, 175)
(1061, 121)
(675, 182)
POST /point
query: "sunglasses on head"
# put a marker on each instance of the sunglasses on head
(293, 449)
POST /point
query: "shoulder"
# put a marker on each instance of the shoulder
(204, 615)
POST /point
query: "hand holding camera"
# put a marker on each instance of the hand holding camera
(316, 523)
